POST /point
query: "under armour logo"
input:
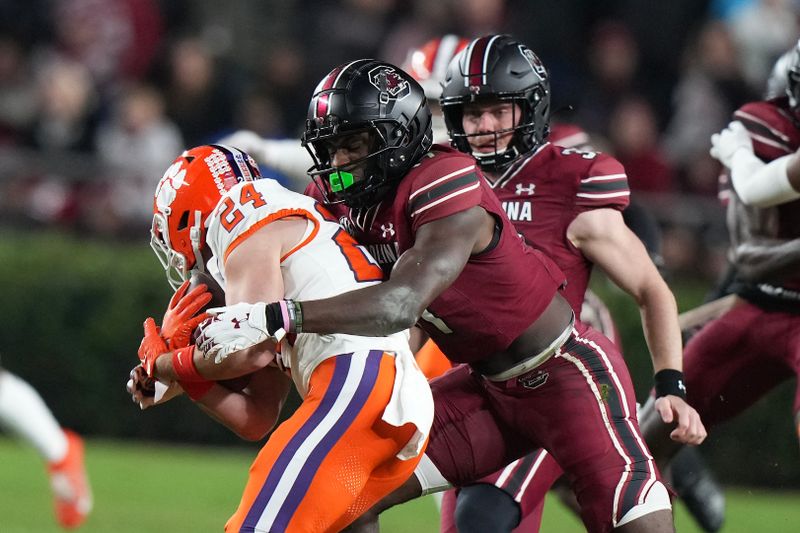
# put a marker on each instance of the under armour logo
(681, 386)
(238, 321)
(387, 230)
(527, 189)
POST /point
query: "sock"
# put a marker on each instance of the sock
(24, 413)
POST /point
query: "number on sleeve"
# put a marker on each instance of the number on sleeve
(583, 153)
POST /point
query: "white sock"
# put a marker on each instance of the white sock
(24, 413)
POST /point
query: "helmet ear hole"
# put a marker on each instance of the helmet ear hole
(183, 222)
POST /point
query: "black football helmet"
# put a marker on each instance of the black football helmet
(376, 97)
(793, 78)
(501, 68)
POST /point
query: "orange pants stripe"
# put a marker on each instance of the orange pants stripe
(334, 457)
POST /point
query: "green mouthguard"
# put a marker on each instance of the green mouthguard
(340, 180)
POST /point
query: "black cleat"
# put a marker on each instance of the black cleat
(696, 486)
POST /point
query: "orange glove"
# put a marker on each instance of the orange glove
(179, 320)
(152, 346)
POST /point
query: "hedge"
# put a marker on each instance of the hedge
(71, 323)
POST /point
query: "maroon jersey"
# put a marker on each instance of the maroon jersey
(775, 131)
(499, 293)
(569, 136)
(544, 192)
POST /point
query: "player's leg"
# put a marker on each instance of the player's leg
(447, 511)
(512, 498)
(485, 507)
(315, 466)
(695, 484)
(466, 442)
(728, 365)
(793, 349)
(585, 415)
(24, 413)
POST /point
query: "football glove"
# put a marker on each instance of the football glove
(152, 346)
(729, 141)
(233, 328)
(180, 320)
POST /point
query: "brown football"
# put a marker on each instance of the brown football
(217, 300)
(217, 294)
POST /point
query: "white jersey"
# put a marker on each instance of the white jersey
(325, 263)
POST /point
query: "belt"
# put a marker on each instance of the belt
(532, 361)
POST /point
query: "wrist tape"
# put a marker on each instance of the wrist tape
(669, 381)
(183, 364)
(286, 315)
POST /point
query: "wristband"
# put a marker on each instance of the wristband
(183, 364)
(286, 315)
(669, 381)
(196, 389)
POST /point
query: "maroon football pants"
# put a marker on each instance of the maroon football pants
(579, 405)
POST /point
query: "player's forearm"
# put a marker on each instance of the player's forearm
(765, 185)
(288, 157)
(761, 260)
(378, 310)
(387, 307)
(661, 330)
(240, 413)
(238, 364)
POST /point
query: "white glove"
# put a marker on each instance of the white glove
(250, 142)
(729, 141)
(233, 328)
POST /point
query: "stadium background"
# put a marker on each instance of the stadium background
(97, 97)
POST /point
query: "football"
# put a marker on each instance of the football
(217, 294)
(217, 300)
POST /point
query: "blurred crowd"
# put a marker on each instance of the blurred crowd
(98, 96)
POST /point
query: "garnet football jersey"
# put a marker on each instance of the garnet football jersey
(544, 192)
(775, 132)
(499, 293)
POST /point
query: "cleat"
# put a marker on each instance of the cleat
(72, 495)
(696, 486)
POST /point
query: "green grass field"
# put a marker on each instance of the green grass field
(152, 487)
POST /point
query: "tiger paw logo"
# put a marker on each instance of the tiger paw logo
(174, 178)
(392, 85)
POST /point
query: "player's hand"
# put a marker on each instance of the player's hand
(247, 141)
(689, 429)
(180, 320)
(152, 346)
(729, 141)
(144, 389)
(141, 387)
(234, 328)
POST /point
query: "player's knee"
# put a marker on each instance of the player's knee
(657, 499)
(484, 507)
